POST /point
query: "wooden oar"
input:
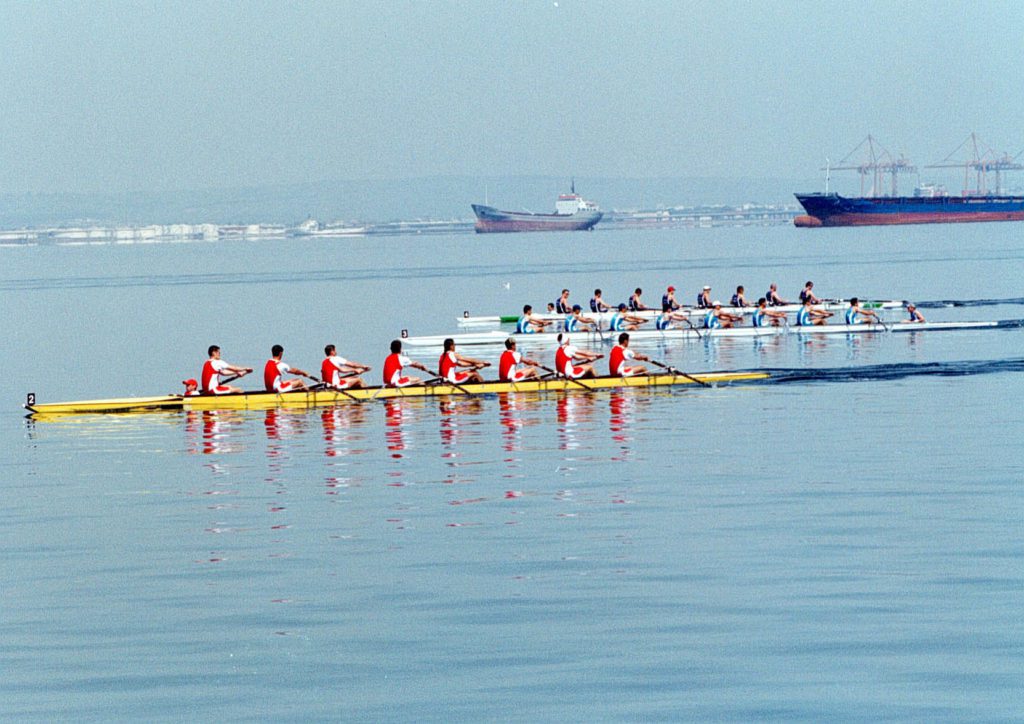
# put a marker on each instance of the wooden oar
(321, 385)
(674, 371)
(446, 381)
(232, 378)
(571, 379)
(690, 324)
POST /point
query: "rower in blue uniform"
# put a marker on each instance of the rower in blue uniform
(635, 303)
(738, 299)
(667, 320)
(915, 316)
(562, 305)
(575, 321)
(717, 319)
(527, 324)
(622, 320)
(809, 317)
(597, 304)
(668, 300)
(764, 317)
(856, 315)
(773, 298)
(704, 298)
(808, 293)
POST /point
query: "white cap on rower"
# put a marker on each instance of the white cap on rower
(716, 303)
(707, 287)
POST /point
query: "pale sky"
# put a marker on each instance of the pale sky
(103, 96)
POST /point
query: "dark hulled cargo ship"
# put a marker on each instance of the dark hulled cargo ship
(572, 213)
(836, 210)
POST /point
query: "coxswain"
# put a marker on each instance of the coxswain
(855, 313)
(567, 354)
(341, 373)
(808, 293)
(621, 354)
(191, 387)
(448, 365)
(764, 317)
(562, 305)
(527, 324)
(773, 298)
(704, 298)
(635, 303)
(808, 316)
(623, 320)
(395, 362)
(717, 319)
(575, 321)
(273, 370)
(597, 303)
(668, 300)
(509, 369)
(915, 316)
(738, 299)
(214, 368)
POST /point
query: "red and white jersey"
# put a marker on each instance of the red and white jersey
(330, 370)
(564, 357)
(212, 370)
(447, 366)
(272, 372)
(393, 367)
(618, 358)
(508, 364)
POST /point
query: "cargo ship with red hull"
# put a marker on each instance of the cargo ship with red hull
(836, 210)
(572, 213)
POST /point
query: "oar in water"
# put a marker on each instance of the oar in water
(695, 329)
(674, 371)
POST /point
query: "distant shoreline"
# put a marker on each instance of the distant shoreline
(84, 233)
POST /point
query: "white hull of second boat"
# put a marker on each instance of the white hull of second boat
(496, 337)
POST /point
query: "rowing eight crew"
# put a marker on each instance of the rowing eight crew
(563, 306)
(714, 318)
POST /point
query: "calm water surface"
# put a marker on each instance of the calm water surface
(828, 550)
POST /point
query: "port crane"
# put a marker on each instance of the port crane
(876, 164)
(983, 161)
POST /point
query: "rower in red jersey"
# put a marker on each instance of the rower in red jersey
(509, 369)
(567, 355)
(395, 362)
(275, 368)
(448, 365)
(214, 368)
(341, 373)
(621, 354)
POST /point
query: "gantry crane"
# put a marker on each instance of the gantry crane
(877, 162)
(983, 160)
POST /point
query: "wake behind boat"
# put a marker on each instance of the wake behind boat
(572, 213)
